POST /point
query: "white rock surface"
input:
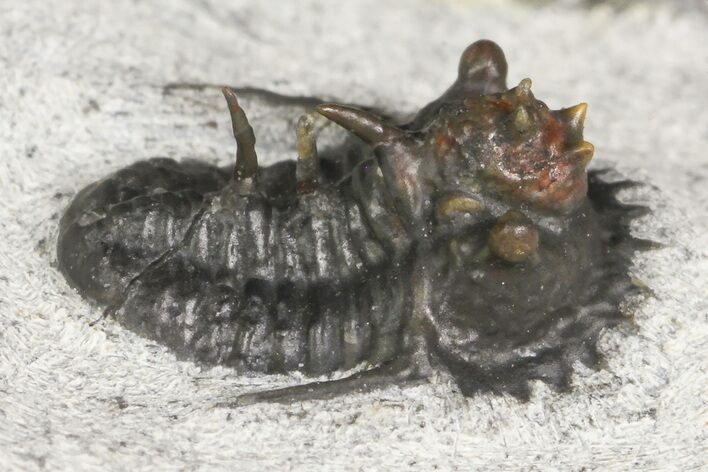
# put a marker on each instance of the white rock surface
(81, 94)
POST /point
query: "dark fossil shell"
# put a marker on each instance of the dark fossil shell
(469, 238)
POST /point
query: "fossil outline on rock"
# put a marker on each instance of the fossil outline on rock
(468, 239)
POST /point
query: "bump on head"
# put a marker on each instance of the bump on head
(522, 120)
(483, 66)
(523, 91)
(514, 238)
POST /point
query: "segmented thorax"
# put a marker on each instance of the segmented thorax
(274, 269)
(305, 286)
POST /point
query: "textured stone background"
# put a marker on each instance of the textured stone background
(82, 94)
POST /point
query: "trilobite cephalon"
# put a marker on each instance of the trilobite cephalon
(469, 239)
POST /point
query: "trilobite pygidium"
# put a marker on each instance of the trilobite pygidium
(464, 240)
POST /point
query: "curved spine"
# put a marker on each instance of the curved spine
(246, 168)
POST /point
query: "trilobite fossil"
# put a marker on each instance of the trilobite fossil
(468, 239)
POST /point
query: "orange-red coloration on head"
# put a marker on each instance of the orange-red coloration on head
(532, 161)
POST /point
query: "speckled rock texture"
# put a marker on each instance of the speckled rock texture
(85, 90)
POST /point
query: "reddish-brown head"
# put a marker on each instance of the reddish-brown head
(480, 139)
(516, 147)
